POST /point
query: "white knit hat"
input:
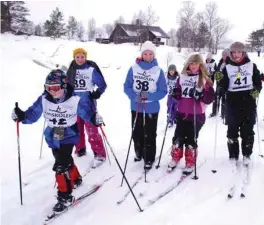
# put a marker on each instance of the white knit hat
(209, 55)
(148, 45)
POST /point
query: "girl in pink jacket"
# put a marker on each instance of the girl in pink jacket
(193, 90)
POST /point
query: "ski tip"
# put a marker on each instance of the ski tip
(229, 196)
(242, 195)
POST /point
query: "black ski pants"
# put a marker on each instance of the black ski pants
(144, 136)
(240, 121)
(184, 133)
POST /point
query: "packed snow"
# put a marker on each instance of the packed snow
(25, 62)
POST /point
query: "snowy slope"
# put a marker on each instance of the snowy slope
(195, 202)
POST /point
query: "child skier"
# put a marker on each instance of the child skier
(220, 92)
(241, 81)
(171, 102)
(210, 65)
(145, 85)
(83, 75)
(60, 109)
(193, 90)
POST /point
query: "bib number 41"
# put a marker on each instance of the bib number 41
(238, 81)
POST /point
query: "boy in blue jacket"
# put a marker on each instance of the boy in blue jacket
(60, 108)
(145, 85)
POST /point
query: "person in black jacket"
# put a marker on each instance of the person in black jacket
(220, 92)
(241, 81)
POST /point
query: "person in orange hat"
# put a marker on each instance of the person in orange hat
(84, 75)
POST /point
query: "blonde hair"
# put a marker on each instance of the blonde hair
(203, 73)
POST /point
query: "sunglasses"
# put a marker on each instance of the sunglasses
(52, 87)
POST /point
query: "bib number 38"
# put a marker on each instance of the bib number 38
(142, 85)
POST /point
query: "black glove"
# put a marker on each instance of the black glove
(18, 114)
(95, 94)
(196, 93)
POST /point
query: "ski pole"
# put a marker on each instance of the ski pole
(42, 137)
(157, 166)
(19, 163)
(107, 153)
(132, 133)
(260, 151)
(216, 127)
(111, 149)
(195, 137)
(144, 129)
(105, 147)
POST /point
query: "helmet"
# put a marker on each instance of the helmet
(56, 80)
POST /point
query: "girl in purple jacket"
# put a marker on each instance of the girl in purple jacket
(171, 102)
(193, 91)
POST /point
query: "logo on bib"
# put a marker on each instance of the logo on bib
(58, 110)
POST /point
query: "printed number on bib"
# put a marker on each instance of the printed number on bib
(79, 83)
(186, 92)
(58, 122)
(238, 81)
(142, 85)
(170, 89)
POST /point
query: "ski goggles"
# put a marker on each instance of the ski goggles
(52, 87)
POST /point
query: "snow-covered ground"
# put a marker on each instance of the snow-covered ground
(195, 202)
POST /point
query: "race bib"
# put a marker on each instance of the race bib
(187, 83)
(145, 80)
(83, 80)
(62, 114)
(171, 85)
(240, 77)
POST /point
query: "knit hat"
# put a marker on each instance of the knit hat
(209, 55)
(226, 52)
(148, 45)
(237, 46)
(79, 50)
(172, 67)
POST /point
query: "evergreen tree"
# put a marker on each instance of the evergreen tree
(55, 27)
(72, 27)
(13, 15)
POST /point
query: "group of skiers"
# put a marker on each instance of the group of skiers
(68, 104)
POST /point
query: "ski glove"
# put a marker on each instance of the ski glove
(95, 94)
(218, 76)
(142, 96)
(97, 120)
(254, 93)
(18, 114)
(196, 93)
(176, 93)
